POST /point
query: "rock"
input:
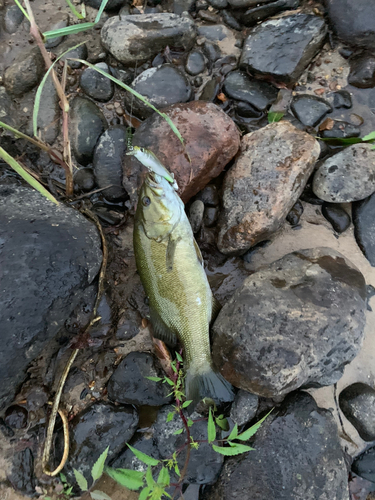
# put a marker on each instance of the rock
(310, 109)
(59, 21)
(180, 6)
(244, 407)
(362, 71)
(337, 216)
(49, 113)
(238, 85)
(96, 85)
(162, 86)
(77, 53)
(210, 217)
(211, 140)
(346, 176)
(22, 473)
(210, 90)
(99, 426)
(211, 51)
(291, 324)
(127, 459)
(294, 215)
(223, 38)
(16, 417)
(8, 112)
(108, 157)
(24, 73)
(195, 63)
(239, 4)
(364, 227)
(283, 48)
(353, 21)
(86, 125)
(84, 180)
(342, 130)
(111, 5)
(255, 14)
(357, 402)
(230, 20)
(13, 17)
(297, 456)
(364, 465)
(204, 464)
(218, 4)
(209, 196)
(196, 215)
(129, 383)
(137, 38)
(266, 180)
(49, 256)
(342, 99)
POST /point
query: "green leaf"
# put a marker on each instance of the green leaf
(19, 5)
(373, 147)
(99, 495)
(146, 459)
(69, 30)
(190, 422)
(179, 431)
(163, 478)
(244, 436)
(68, 490)
(144, 493)
(177, 470)
(154, 379)
(98, 467)
(340, 141)
(187, 403)
(81, 480)
(237, 449)
(100, 11)
(222, 422)
(25, 175)
(234, 433)
(179, 357)
(63, 478)
(211, 430)
(74, 10)
(131, 479)
(169, 381)
(369, 137)
(170, 416)
(149, 479)
(274, 116)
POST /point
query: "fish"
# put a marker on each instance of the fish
(171, 269)
(152, 163)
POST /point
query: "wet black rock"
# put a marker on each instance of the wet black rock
(49, 113)
(24, 73)
(230, 20)
(13, 17)
(209, 196)
(346, 176)
(291, 324)
(337, 216)
(16, 417)
(244, 407)
(353, 21)
(162, 86)
(86, 125)
(342, 99)
(298, 456)
(255, 14)
(196, 212)
(59, 21)
(210, 216)
(107, 162)
(364, 465)
(310, 109)
(362, 71)
(211, 51)
(342, 130)
(294, 215)
(49, 256)
(195, 63)
(136, 38)
(238, 85)
(77, 53)
(96, 85)
(218, 4)
(210, 90)
(204, 464)
(111, 5)
(282, 48)
(364, 227)
(357, 402)
(129, 383)
(21, 475)
(99, 426)
(245, 110)
(239, 4)
(84, 180)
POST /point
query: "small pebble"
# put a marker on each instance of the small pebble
(337, 216)
(294, 215)
(84, 180)
(195, 63)
(209, 196)
(210, 217)
(196, 215)
(342, 99)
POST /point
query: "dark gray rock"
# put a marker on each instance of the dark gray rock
(245, 110)
(255, 14)
(135, 39)
(111, 5)
(218, 4)
(342, 99)
(282, 48)
(127, 459)
(346, 176)
(99, 426)
(48, 257)
(342, 130)
(8, 111)
(196, 212)
(294, 215)
(210, 216)
(49, 112)
(362, 71)
(223, 39)
(163, 86)
(107, 162)
(297, 456)
(204, 464)
(337, 216)
(238, 85)
(21, 475)
(59, 21)
(96, 85)
(195, 63)
(209, 196)
(364, 465)
(230, 20)
(211, 51)
(24, 73)
(310, 109)
(239, 4)
(244, 407)
(364, 227)
(291, 324)
(210, 90)
(180, 6)
(77, 53)
(357, 402)
(86, 125)
(353, 21)
(129, 383)
(84, 180)
(13, 17)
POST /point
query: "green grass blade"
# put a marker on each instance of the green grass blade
(136, 94)
(74, 10)
(22, 9)
(100, 11)
(38, 94)
(69, 30)
(26, 176)
(19, 134)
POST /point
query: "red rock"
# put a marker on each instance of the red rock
(211, 141)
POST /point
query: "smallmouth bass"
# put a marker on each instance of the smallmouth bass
(170, 265)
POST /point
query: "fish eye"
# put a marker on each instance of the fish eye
(146, 201)
(142, 150)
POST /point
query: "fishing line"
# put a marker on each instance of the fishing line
(129, 130)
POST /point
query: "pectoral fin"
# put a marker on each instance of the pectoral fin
(198, 252)
(171, 250)
(161, 331)
(216, 306)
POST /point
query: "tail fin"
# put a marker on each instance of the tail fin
(209, 384)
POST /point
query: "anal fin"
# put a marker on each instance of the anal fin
(161, 331)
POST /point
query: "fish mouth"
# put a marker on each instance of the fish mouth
(153, 182)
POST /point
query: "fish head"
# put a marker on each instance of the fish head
(159, 207)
